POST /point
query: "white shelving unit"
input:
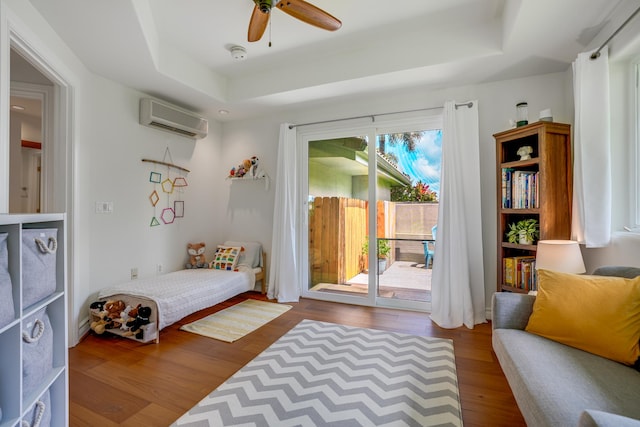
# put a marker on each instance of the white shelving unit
(14, 403)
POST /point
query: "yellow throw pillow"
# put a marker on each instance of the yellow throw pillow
(598, 314)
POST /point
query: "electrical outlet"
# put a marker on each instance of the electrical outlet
(104, 207)
(134, 273)
(159, 268)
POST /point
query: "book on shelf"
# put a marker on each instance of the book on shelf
(519, 189)
(506, 187)
(520, 272)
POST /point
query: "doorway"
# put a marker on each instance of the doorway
(50, 189)
(31, 148)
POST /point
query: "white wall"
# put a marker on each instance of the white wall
(110, 152)
(104, 161)
(496, 107)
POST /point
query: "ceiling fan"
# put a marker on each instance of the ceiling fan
(300, 9)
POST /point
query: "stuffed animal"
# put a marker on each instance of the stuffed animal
(196, 255)
(135, 326)
(97, 306)
(125, 316)
(109, 317)
(254, 166)
(134, 311)
(113, 309)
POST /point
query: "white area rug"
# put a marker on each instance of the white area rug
(323, 374)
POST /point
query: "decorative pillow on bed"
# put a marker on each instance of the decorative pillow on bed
(226, 258)
(251, 256)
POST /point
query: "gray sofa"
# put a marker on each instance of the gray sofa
(556, 385)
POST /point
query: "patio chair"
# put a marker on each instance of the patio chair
(430, 248)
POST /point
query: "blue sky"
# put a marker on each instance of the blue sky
(423, 164)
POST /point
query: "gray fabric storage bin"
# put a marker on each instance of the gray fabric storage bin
(39, 247)
(7, 313)
(39, 415)
(37, 351)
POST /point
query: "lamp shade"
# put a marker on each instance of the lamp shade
(560, 255)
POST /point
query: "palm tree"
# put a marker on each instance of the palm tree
(408, 139)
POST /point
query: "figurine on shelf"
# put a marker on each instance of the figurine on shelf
(525, 152)
(254, 166)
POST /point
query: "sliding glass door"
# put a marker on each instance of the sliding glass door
(337, 182)
(370, 211)
(407, 213)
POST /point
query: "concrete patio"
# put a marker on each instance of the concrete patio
(402, 280)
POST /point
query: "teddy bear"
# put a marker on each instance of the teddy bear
(196, 255)
(109, 317)
(135, 325)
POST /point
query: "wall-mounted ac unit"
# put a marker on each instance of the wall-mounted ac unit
(173, 119)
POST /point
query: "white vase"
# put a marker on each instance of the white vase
(382, 265)
(522, 236)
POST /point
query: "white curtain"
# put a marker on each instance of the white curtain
(457, 284)
(592, 155)
(283, 273)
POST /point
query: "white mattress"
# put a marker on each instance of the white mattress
(183, 292)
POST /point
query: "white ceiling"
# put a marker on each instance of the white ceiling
(178, 50)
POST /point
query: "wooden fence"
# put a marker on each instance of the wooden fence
(337, 231)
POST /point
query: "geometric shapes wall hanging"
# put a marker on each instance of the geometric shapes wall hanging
(178, 208)
(171, 186)
(168, 215)
(154, 198)
(180, 182)
(155, 177)
(167, 186)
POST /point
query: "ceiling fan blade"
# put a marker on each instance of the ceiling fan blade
(306, 12)
(257, 25)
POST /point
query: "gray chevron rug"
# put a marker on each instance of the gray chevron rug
(323, 374)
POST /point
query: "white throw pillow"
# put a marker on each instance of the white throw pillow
(251, 256)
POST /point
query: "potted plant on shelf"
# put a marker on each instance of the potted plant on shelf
(524, 232)
(383, 253)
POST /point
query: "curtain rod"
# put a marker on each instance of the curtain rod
(596, 54)
(373, 116)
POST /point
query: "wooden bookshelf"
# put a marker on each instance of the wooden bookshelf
(551, 161)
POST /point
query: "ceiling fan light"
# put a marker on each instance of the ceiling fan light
(238, 53)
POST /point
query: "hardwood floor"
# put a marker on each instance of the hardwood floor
(119, 382)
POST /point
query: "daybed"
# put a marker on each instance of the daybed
(558, 385)
(175, 295)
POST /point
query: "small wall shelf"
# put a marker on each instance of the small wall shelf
(250, 178)
(264, 178)
(171, 165)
